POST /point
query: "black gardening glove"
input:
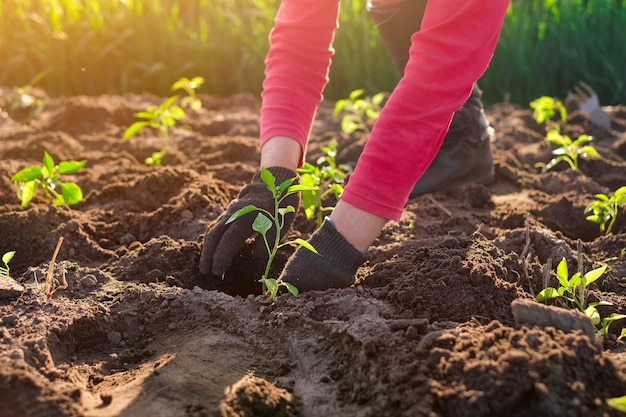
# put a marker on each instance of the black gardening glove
(333, 266)
(223, 241)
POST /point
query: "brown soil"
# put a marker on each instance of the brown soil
(429, 330)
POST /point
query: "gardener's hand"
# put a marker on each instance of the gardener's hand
(333, 266)
(223, 241)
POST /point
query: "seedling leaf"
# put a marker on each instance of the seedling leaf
(304, 244)
(593, 275)
(134, 129)
(291, 288)
(245, 210)
(71, 192)
(262, 224)
(27, 174)
(48, 162)
(6, 258)
(268, 178)
(285, 210)
(547, 294)
(26, 192)
(272, 286)
(70, 167)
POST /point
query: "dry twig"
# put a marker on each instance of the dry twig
(50, 289)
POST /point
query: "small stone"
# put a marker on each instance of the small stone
(127, 239)
(170, 293)
(72, 226)
(89, 281)
(114, 338)
(9, 288)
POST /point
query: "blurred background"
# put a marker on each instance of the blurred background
(92, 47)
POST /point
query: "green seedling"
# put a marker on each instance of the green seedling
(361, 111)
(20, 100)
(164, 117)
(573, 289)
(323, 181)
(6, 258)
(545, 108)
(265, 220)
(605, 209)
(45, 176)
(189, 86)
(569, 150)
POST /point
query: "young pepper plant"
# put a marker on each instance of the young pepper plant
(569, 150)
(322, 181)
(545, 109)
(605, 209)
(573, 290)
(35, 176)
(265, 220)
(164, 117)
(360, 110)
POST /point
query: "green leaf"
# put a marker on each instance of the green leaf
(593, 275)
(348, 125)
(262, 224)
(70, 167)
(291, 288)
(576, 279)
(339, 106)
(302, 187)
(71, 192)
(285, 210)
(26, 192)
(48, 162)
(304, 244)
(269, 179)
(27, 174)
(562, 273)
(134, 129)
(618, 403)
(622, 334)
(6, 258)
(285, 185)
(356, 94)
(272, 286)
(378, 98)
(181, 83)
(582, 139)
(547, 294)
(244, 210)
(593, 314)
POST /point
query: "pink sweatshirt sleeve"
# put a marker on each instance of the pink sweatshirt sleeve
(449, 53)
(296, 68)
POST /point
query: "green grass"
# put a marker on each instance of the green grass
(118, 46)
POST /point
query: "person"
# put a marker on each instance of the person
(442, 47)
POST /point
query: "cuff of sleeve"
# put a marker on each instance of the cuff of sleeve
(336, 250)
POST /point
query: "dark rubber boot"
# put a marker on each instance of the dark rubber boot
(465, 154)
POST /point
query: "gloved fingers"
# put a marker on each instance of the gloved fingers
(231, 242)
(211, 241)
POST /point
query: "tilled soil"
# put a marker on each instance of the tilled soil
(442, 321)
